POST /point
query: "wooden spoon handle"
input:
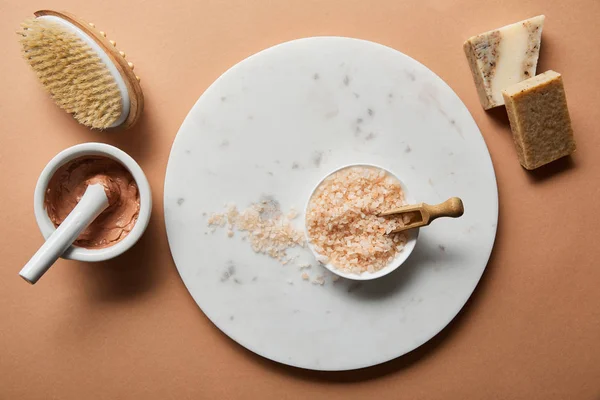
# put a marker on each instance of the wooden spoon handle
(453, 207)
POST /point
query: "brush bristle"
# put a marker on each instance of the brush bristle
(71, 71)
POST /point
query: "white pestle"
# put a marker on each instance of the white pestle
(92, 203)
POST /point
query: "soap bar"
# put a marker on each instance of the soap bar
(503, 57)
(539, 119)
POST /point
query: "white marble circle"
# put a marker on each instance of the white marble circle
(274, 124)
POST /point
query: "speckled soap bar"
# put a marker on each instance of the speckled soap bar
(503, 57)
(539, 119)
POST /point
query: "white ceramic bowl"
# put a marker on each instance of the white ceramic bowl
(411, 235)
(94, 149)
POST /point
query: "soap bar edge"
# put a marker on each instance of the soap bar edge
(484, 99)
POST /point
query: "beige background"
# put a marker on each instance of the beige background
(128, 329)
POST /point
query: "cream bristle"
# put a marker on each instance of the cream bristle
(73, 74)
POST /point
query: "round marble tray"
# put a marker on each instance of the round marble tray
(276, 123)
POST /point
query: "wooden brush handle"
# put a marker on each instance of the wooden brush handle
(453, 207)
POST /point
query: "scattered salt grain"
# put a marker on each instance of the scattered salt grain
(319, 280)
(292, 214)
(267, 230)
(217, 220)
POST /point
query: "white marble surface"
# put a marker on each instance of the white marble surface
(274, 125)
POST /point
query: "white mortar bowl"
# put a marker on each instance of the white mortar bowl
(94, 149)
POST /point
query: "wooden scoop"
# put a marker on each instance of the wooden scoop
(423, 214)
